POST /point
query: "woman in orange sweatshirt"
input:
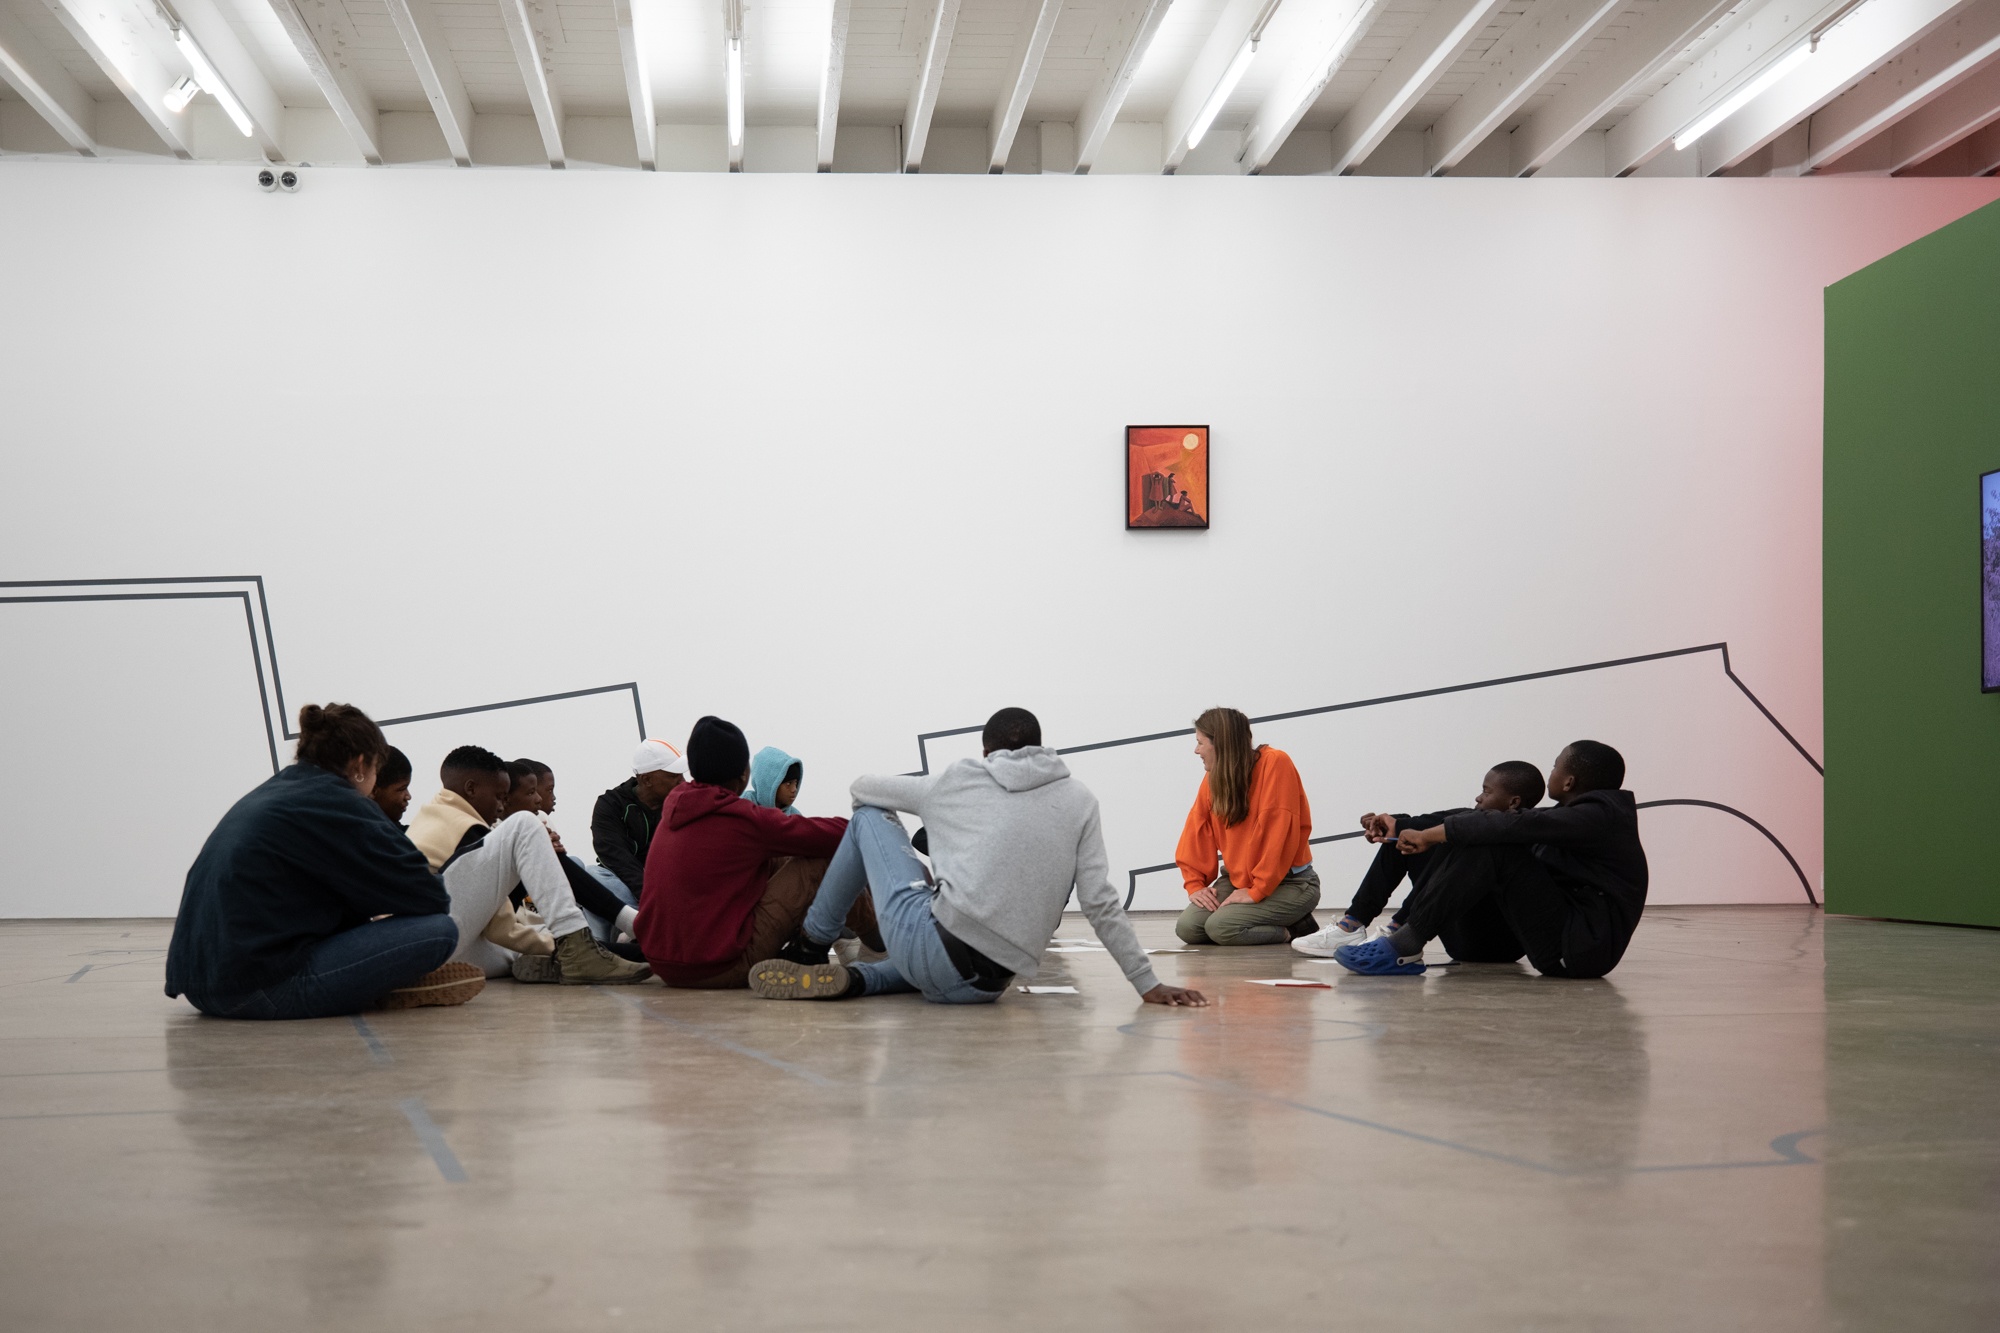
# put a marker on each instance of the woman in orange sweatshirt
(1245, 854)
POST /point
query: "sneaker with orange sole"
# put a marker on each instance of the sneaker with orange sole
(454, 983)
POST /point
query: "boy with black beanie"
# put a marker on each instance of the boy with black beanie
(728, 880)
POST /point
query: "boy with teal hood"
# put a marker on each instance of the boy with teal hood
(775, 778)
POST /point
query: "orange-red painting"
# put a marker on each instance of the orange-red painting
(1166, 476)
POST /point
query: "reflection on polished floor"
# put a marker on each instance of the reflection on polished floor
(1765, 1119)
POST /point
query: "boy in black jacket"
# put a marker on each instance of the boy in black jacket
(1512, 784)
(1565, 885)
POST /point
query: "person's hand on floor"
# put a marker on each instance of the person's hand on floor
(1175, 997)
(1378, 828)
(1204, 898)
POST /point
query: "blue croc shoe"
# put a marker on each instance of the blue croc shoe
(1378, 958)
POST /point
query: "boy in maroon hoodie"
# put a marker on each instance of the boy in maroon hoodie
(727, 880)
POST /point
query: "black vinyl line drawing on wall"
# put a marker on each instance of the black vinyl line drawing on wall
(276, 724)
(923, 749)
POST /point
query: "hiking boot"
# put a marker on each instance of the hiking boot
(582, 961)
(800, 949)
(454, 983)
(782, 979)
(537, 969)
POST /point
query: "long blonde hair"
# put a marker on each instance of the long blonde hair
(1229, 780)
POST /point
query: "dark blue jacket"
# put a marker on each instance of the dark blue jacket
(302, 857)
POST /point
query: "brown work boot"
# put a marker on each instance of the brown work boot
(582, 961)
(536, 969)
(782, 979)
(454, 983)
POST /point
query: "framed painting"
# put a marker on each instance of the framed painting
(1989, 582)
(1166, 477)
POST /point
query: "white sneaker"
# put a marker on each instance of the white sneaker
(1321, 944)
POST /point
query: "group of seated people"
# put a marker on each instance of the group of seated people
(1505, 878)
(311, 898)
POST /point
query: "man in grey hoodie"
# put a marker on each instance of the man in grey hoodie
(1010, 833)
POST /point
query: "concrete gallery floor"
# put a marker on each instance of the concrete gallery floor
(1766, 1119)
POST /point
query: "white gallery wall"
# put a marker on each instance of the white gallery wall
(839, 458)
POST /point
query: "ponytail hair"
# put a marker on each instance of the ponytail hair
(1229, 780)
(335, 736)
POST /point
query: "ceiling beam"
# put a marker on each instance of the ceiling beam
(930, 77)
(1939, 67)
(424, 38)
(1225, 40)
(1852, 49)
(830, 76)
(206, 24)
(1528, 55)
(1966, 109)
(1610, 78)
(543, 95)
(1434, 48)
(1962, 111)
(1136, 23)
(31, 70)
(129, 44)
(638, 86)
(1977, 154)
(1018, 83)
(352, 105)
(1336, 28)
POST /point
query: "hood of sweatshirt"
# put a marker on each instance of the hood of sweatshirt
(1025, 769)
(695, 800)
(767, 774)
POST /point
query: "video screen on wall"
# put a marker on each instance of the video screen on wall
(1989, 581)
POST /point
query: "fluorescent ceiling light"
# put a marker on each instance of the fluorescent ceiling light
(1227, 85)
(735, 77)
(1748, 93)
(211, 80)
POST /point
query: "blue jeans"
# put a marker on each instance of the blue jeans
(346, 973)
(604, 930)
(876, 855)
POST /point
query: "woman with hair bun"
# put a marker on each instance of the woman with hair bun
(1245, 853)
(307, 902)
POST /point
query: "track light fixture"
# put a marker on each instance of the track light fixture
(733, 72)
(1239, 65)
(1766, 78)
(1748, 93)
(207, 79)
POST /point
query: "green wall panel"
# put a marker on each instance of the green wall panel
(1912, 419)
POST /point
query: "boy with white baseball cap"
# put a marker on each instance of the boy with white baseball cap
(622, 823)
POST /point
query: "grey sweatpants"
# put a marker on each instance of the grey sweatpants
(1263, 922)
(517, 851)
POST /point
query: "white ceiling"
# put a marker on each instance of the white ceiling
(1919, 78)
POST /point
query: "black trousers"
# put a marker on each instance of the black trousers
(1494, 904)
(589, 894)
(1385, 874)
